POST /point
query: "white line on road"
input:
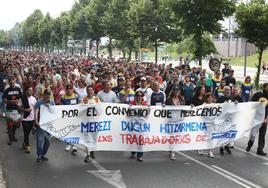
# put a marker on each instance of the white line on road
(112, 177)
(2, 181)
(228, 176)
(237, 177)
(253, 154)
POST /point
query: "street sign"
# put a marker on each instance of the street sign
(75, 44)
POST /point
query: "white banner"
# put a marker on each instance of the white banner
(120, 127)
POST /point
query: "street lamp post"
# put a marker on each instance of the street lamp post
(229, 40)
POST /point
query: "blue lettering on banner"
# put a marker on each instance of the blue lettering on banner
(72, 140)
(95, 126)
(135, 126)
(183, 127)
(228, 134)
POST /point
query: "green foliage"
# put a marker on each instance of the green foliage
(200, 16)
(252, 22)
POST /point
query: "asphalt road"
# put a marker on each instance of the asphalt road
(116, 169)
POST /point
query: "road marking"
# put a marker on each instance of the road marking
(2, 181)
(113, 177)
(237, 177)
(253, 154)
(228, 176)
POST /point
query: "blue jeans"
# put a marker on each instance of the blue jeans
(42, 142)
(139, 154)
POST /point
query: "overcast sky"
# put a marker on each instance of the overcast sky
(13, 11)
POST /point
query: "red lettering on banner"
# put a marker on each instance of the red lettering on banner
(128, 138)
(145, 140)
(105, 138)
(201, 138)
(164, 140)
(141, 140)
(157, 140)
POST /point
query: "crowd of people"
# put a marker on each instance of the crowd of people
(29, 80)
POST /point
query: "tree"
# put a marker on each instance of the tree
(152, 20)
(94, 12)
(115, 21)
(31, 27)
(45, 30)
(207, 44)
(4, 39)
(200, 16)
(252, 20)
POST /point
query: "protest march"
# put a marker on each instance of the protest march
(98, 104)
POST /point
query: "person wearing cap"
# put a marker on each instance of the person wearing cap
(226, 70)
(145, 90)
(42, 137)
(136, 83)
(157, 77)
(120, 85)
(11, 98)
(230, 80)
(70, 98)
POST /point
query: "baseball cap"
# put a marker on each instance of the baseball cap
(143, 78)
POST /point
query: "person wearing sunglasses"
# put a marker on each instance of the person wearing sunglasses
(138, 100)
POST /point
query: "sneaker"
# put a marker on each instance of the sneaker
(9, 143)
(200, 152)
(87, 159)
(15, 139)
(228, 149)
(3, 114)
(250, 144)
(133, 156)
(38, 160)
(74, 151)
(172, 156)
(24, 146)
(210, 154)
(68, 147)
(92, 155)
(28, 150)
(43, 158)
(261, 153)
(221, 151)
(248, 148)
(140, 159)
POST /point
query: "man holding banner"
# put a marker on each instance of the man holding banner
(261, 97)
(70, 98)
(42, 137)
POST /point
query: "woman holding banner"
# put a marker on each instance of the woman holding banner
(138, 100)
(209, 99)
(175, 98)
(90, 99)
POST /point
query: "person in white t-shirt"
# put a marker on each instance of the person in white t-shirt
(146, 90)
(28, 107)
(107, 95)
